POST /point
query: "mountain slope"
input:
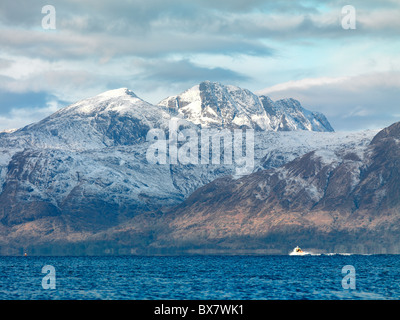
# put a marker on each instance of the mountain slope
(115, 117)
(328, 200)
(288, 114)
(84, 170)
(212, 104)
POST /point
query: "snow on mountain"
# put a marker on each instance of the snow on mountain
(214, 105)
(87, 162)
(211, 104)
(288, 115)
(332, 198)
(121, 101)
(115, 117)
(274, 149)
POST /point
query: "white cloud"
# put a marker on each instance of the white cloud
(300, 84)
(298, 44)
(367, 101)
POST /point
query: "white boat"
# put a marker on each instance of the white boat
(298, 252)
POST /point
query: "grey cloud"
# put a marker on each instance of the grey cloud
(49, 80)
(125, 17)
(11, 100)
(77, 46)
(159, 31)
(5, 63)
(369, 101)
(105, 29)
(184, 71)
(367, 4)
(17, 12)
(108, 29)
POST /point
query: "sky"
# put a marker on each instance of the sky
(158, 48)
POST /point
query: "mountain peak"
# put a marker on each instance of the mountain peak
(115, 93)
(118, 100)
(212, 104)
(391, 132)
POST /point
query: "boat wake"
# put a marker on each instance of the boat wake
(299, 252)
(304, 253)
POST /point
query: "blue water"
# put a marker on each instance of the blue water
(201, 277)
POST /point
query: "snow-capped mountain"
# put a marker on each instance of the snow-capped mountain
(288, 115)
(344, 200)
(84, 168)
(211, 104)
(115, 117)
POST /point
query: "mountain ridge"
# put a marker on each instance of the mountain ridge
(327, 200)
(212, 104)
(82, 172)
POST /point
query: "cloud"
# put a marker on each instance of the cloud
(5, 63)
(18, 117)
(107, 30)
(368, 101)
(12, 101)
(159, 48)
(184, 71)
(42, 84)
(139, 13)
(66, 45)
(302, 84)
